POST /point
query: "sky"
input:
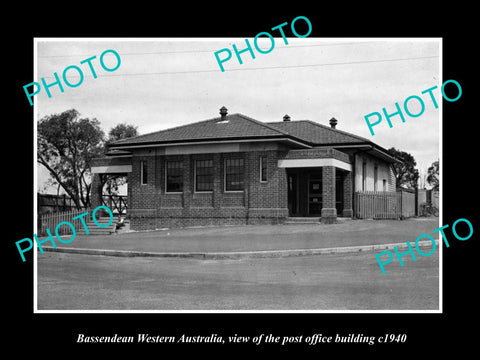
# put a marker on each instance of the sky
(167, 82)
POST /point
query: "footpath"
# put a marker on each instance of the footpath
(255, 241)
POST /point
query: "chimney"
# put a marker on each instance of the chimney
(223, 112)
(286, 118)
(333, 123)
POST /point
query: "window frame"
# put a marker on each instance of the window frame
(195, 176)
(166, 177)
(263, 163)
(225, 175)
(143, 168)
(364, 176)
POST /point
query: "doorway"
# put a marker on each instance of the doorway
(304, 192)
(315, 192)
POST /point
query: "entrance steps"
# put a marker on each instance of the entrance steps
(302, 220)
(93, 228)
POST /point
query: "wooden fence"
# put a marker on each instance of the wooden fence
(54, 203)
(51, 220)
(384, 204)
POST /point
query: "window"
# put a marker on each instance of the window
(174, 176)
(263, 169)
(143, 172)
(384, 185)
(203, 175)
(364, 176)
(234, 174)
(375, 177)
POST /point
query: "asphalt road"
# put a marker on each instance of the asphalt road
(322, 282)
(262, 237)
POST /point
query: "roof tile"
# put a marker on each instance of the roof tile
(241, 126)
(234, 126)
(316, 133)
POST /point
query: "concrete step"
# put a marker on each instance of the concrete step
(104, 220)
(302, 220)
(93, 228)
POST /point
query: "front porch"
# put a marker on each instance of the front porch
(306, 192)
(115, 165)
(319, 184)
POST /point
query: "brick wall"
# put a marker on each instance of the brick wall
(260, 202)
(96, 191)
(347, 194)
(329, 211)
(317, 153)
(151, 207)
(267, 201)
(142, 197)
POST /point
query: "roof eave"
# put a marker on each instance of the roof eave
(286, 139)
(369, 147)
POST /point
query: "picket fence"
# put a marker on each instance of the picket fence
(51, 220)
(384, 204)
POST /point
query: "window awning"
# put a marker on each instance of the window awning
(112, 165)
(301, 163)
(112, 169)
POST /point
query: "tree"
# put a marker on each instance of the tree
(422, 179)
(121, 131)
(433, 175)
(66, 146)
(118, 132)
(407, 175)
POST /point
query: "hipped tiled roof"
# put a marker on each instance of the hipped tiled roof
(234, 126)
(239, 126)
(317, 134)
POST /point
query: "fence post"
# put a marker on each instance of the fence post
(415, 203)
(400, 205)
(51, 220)
(384, 205)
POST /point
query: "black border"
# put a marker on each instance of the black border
(427, 333)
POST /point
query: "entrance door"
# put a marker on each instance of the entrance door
(315, 194)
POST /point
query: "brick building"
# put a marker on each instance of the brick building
(233, 169)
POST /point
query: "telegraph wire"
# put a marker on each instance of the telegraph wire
(265, 68)
(207, 51)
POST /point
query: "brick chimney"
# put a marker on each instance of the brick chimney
(286, 117)
(333, 123)
(223, 112)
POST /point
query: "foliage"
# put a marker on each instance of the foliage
(119, 132)
(427, 209)
(66, 146)
(407, 175)
(433, 175)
